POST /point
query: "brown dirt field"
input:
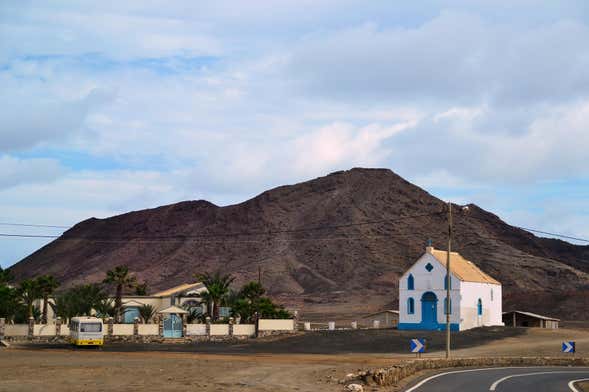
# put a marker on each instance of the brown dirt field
(584, 386)
(265, 365)
(87, 370)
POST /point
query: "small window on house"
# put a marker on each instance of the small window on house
(410, 306)
(480, 307)
(447, 310)
(491, 294)
(446, 283)
(429, 267)
(410, 283)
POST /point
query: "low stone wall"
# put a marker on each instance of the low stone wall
(182, 340)
(392, 375)
(37, 339)
(150, 332)
(133, 339)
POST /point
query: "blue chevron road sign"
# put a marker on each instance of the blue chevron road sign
(417, 345)
(568, 347)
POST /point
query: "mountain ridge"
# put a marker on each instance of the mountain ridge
(311, 240)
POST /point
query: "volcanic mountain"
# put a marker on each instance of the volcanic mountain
(333, 245)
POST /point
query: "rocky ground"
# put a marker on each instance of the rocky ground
(308, 362)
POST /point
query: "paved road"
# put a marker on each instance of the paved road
(515, 379)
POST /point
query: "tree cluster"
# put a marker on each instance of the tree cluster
(17, 303)
(247, 303)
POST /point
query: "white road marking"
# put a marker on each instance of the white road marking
(460, 371)
(572, 384)
(496, 383)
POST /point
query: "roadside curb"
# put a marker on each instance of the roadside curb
(395, 373)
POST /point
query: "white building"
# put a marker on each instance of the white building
(182, 295)
(475, 297)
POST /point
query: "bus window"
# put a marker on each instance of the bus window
(90, 327)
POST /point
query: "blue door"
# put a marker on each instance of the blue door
(429, 310)
(172, 326)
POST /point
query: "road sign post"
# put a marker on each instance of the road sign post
(568, 347)
(417, 346)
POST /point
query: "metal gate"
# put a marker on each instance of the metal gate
(172, 326)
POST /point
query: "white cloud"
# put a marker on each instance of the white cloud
(224, 100)
(77, 31)
(36, 111)
(341, 145)
(14, 171)
(457, 56)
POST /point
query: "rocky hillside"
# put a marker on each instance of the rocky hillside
(334, 244)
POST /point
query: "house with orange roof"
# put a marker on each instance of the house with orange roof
(183, 295)
(475, 296)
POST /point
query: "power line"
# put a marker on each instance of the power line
(138, 240)
(531, 230)
(28, 235)
(186, 237)
(224, 235)
(32, 225)
(553, 234)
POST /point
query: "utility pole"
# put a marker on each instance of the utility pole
(447, 305)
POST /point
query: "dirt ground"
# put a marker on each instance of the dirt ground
(584, 386)
(307, 362)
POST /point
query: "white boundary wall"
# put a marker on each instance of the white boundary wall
(16, 330)
(153, 329)
(219, 329)
(196, 329)
(244, 329)
(148, 329)
(122, 329)
(44, 330)
(276, 325)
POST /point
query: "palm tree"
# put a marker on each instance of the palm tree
(9, 302)
(146, 312)
(105, 308)
(205, 297)
(141, 289)
(47, 284)
(79, 301)
(64, 306)
(252, 291)
(217, 289)
(29, 291)
(120, 277)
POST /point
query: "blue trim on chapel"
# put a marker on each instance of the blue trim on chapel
(427, 327)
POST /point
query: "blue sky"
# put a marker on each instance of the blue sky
(110, 107)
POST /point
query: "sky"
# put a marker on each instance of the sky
(109, 107)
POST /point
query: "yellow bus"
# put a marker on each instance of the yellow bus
(86, 331)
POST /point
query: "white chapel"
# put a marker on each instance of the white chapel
(475, 297)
